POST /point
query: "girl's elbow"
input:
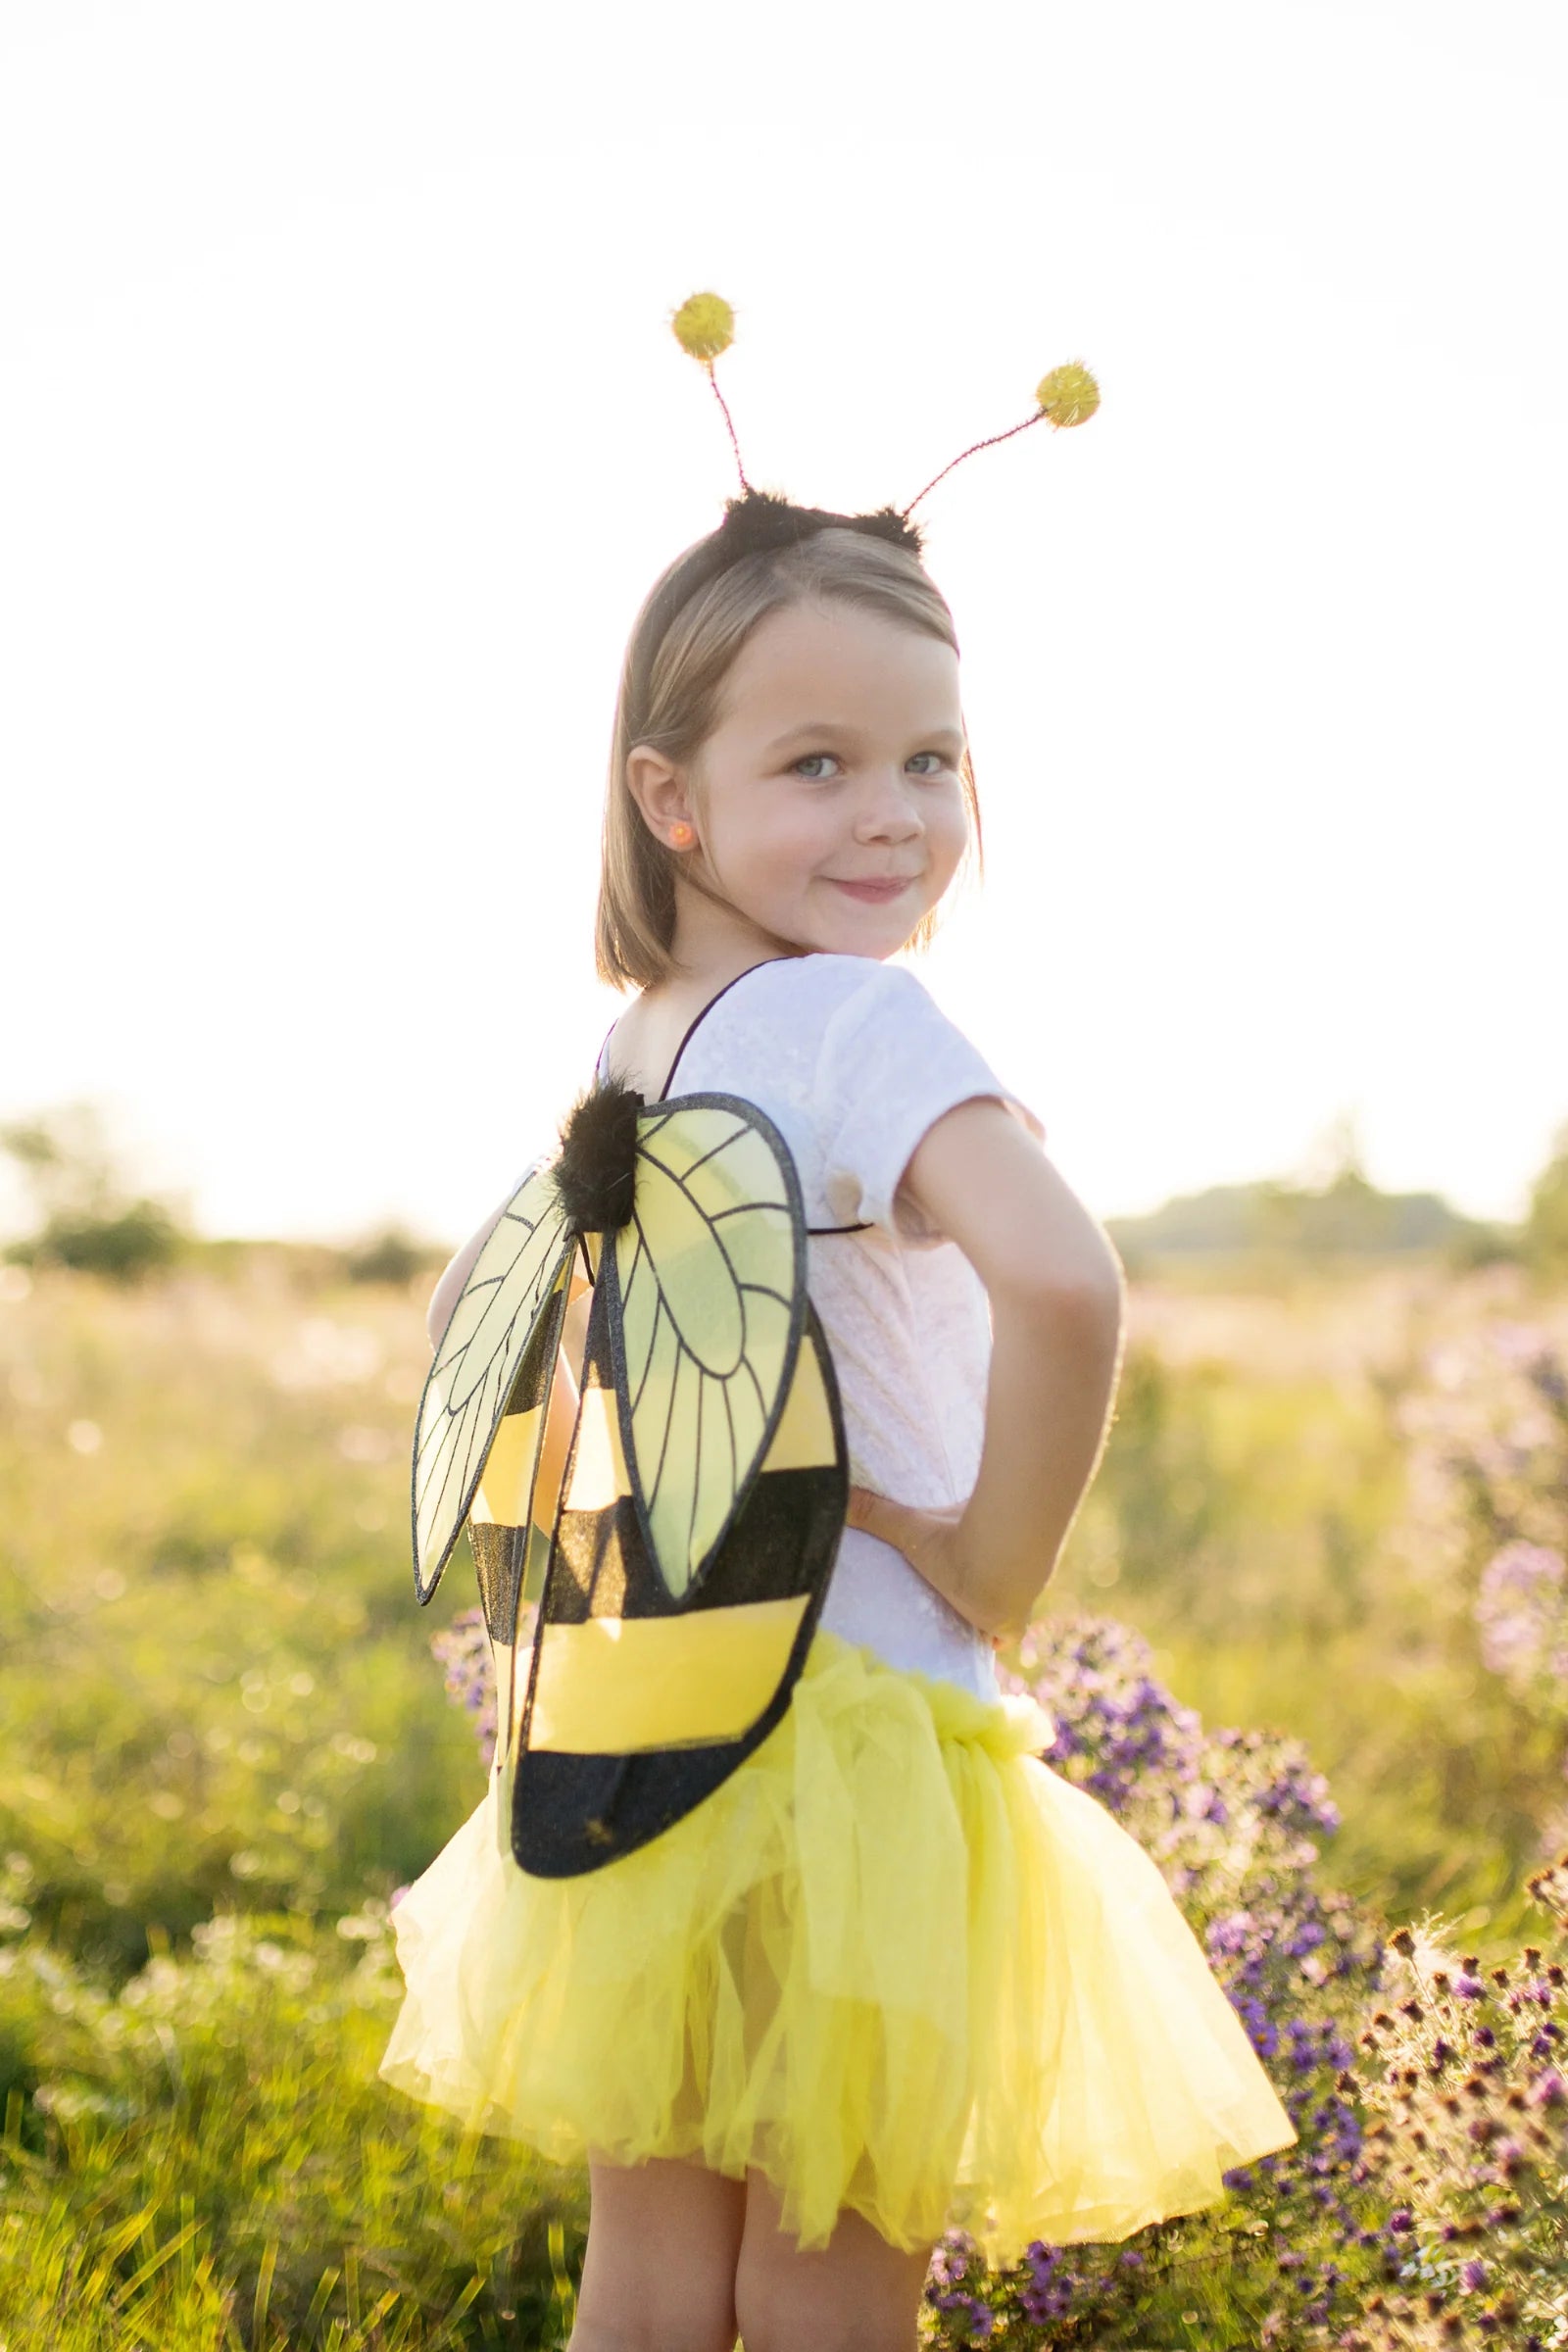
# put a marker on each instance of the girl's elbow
(1088, 1296)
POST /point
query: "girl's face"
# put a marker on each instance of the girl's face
(828, 804)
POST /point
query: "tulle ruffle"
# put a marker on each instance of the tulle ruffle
(896, 1961)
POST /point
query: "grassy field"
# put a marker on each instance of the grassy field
(225, 1743)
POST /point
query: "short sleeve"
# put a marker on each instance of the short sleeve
(890, 1064)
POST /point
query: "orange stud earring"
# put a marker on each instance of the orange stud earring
(681, 835)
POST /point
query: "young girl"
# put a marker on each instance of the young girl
(894, 1971)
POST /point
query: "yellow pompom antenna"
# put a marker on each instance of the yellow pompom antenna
(1067, 395)
(704, 326)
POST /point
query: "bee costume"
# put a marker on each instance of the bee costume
(769, 1871)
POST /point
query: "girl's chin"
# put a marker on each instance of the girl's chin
(877, 941)
(854, 930)
(877, 931)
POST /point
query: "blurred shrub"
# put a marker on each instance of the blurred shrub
(90, 1217)
(392, 1255)
(1545, 1232)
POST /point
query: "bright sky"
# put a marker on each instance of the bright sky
(344, 433)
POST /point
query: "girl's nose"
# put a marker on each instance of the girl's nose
(888, 812)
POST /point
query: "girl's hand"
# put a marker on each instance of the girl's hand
(928, 1540)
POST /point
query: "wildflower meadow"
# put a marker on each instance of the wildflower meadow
(1309, 1644)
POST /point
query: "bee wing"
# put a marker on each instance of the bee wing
(513, 1283)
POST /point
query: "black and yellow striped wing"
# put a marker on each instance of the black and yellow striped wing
(708, 1302)
(483, 1410)
(680, 1551)
(700, 1506)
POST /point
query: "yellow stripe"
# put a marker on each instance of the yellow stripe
(804, 1438)
(503, 1494)
(599, 1468)
(618, 1683)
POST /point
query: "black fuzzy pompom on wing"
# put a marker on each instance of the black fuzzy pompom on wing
(597, 1172)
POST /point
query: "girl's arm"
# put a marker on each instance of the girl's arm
(1057, 1295)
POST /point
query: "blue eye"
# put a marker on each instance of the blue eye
(941, 758)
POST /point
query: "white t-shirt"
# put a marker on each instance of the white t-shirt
(853, 1061)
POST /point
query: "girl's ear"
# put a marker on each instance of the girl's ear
(661, 793)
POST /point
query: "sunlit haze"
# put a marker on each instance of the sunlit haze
(345, 432)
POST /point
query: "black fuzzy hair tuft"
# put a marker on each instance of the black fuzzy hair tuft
(596, 1171)
(765, 520)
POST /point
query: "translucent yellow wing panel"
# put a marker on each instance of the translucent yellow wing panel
(513, 1281)
(711, 1283)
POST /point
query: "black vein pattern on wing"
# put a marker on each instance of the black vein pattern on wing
(749, 1116)
(664, 1308)
(639, 1260)
(529, 1297)
(505, 1352)
(453, 1459)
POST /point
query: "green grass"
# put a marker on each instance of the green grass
(223, 1743)
(209, 2158)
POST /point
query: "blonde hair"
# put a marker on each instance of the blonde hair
(671, 680)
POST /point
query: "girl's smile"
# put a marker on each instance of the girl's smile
(875, 894)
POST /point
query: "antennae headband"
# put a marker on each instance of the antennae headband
(762, 520)
(704, 328)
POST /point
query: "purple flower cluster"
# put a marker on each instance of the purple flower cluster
(968, 2304)
(1121, 1736)
(1487, 1432)
(1118, 1732)
(463, 1649)
(1521, 1612)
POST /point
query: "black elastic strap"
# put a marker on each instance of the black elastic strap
(709, 1006)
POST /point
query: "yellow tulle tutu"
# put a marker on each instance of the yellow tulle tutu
(896, 1961)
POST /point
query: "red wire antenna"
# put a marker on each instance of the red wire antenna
(1068, 395)
(730, 424)
(704, 326)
